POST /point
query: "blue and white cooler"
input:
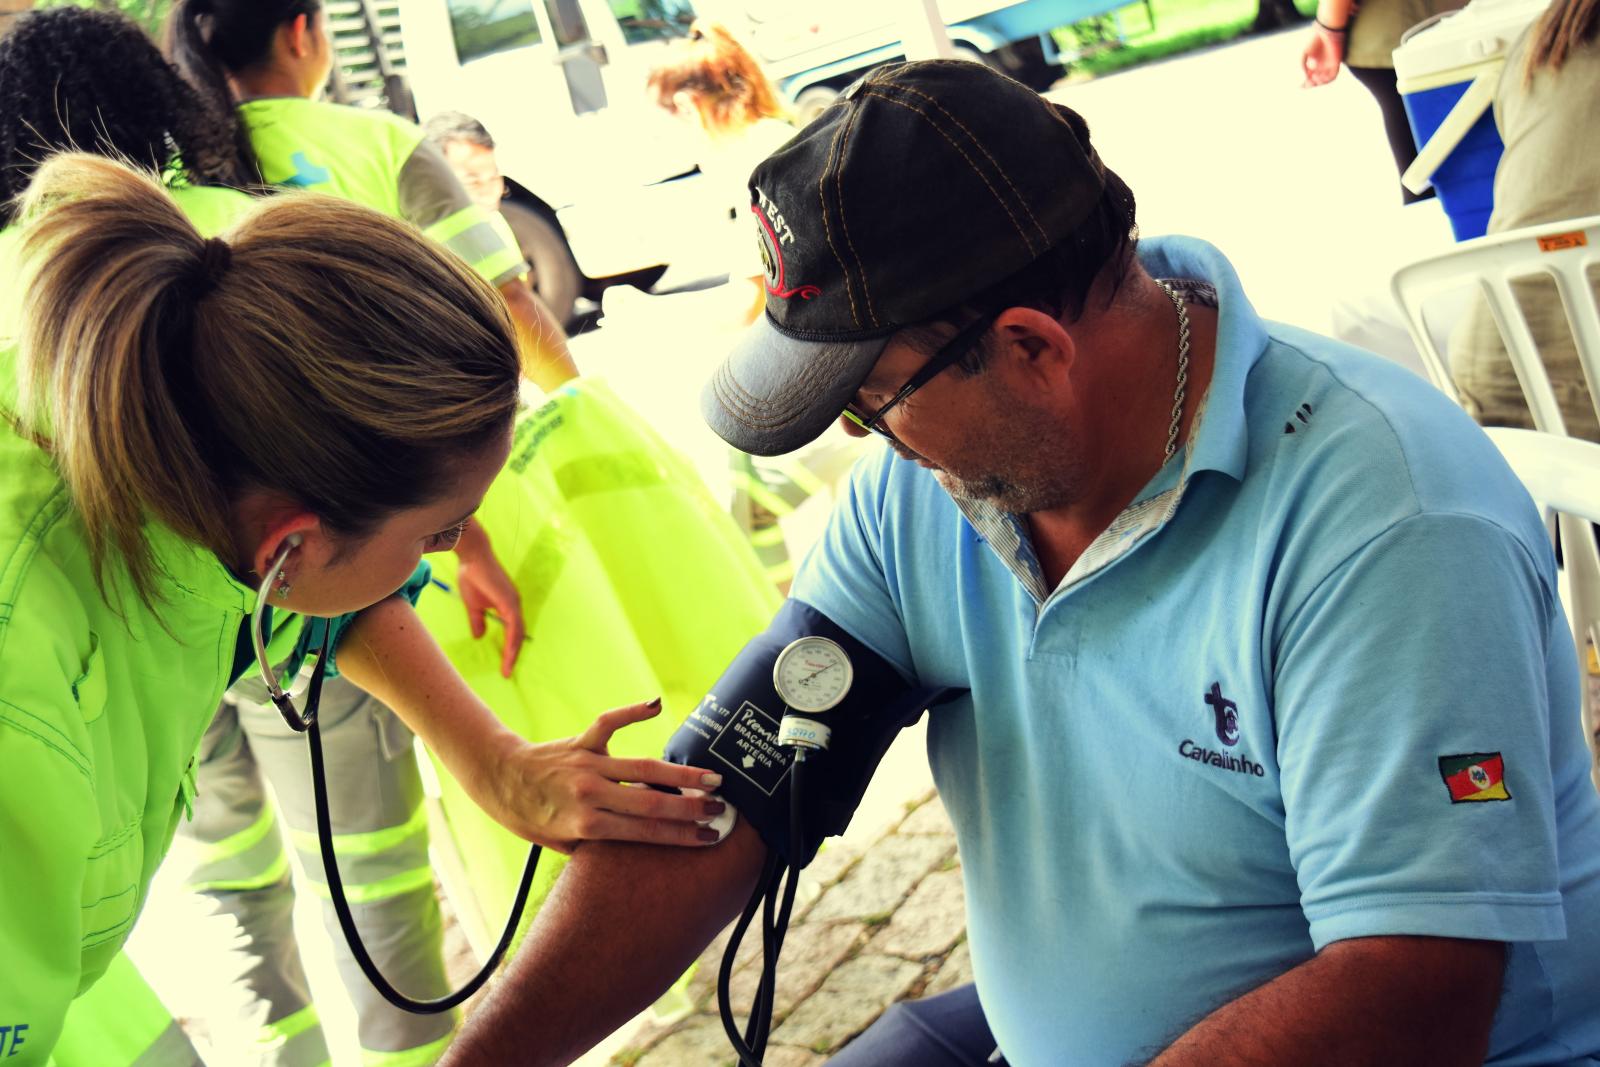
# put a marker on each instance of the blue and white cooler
(1447, 70)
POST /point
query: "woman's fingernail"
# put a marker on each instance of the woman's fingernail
(708, 835)
(655, 704)
(713, 808)
(711, 781)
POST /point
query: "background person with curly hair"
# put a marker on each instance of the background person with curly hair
(75, 79)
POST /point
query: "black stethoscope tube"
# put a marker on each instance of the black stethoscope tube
(347, 922)
(771, 888)
(307, 724)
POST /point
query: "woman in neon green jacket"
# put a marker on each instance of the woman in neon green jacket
(196, 421)
(70, 78)
(271, 59)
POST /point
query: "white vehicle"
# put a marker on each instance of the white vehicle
(602, 184)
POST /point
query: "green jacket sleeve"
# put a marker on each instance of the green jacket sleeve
(47, 810)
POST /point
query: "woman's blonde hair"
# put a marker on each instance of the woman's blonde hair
(321, 351)
(1565, 25)
(726, 84)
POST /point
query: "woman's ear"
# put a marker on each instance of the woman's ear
(296, 37)
(298, 532)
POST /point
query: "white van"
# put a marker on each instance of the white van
(602, 185)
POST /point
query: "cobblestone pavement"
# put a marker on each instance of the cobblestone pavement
(872, 926)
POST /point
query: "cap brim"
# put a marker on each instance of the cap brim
(775, 393)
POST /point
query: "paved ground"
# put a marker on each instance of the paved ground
(873, 925)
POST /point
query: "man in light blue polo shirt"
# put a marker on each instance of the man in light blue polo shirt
(1222, 743)
(1272, 750)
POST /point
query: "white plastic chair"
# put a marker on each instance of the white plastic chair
(1562, 473)
(1563, 251)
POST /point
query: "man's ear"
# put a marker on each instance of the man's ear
(1040, 348)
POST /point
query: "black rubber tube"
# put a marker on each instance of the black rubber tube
(330, 865)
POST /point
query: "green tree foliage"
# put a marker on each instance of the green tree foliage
(147, 13)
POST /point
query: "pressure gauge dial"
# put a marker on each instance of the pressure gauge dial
(812, 674)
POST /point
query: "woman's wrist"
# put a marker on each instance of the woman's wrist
(477, 752)
(1326, 28)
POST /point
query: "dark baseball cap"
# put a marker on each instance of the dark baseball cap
(924, 184)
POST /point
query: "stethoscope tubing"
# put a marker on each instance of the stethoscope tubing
(307, 724)
(341, 906)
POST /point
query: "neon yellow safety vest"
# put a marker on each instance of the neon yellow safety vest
(102, 705)
(614, 614)
(359, 155)
(123, 1022)
(211, 209)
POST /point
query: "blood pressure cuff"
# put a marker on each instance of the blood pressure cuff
(734, 732)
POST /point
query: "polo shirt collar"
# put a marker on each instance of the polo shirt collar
(1220, 441)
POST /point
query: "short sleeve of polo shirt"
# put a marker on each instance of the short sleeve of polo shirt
(1414, 738)
(845, 575)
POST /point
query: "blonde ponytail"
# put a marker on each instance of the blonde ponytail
(112, 273)
(320, 351)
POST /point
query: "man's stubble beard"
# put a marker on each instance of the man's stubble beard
(1022, 463)
(1007, 494)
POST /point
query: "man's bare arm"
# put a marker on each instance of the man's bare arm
(1367, 1000)
(622, 923)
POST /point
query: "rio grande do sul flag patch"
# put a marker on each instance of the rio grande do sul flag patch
(1475, 776)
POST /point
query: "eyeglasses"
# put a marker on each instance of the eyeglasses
(952, 350)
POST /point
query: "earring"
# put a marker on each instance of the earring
(283, 586)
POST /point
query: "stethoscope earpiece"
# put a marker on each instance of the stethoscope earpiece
(291, 715)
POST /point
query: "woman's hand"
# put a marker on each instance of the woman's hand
(562, 793)
(484, 585)
(1324, 52)
(555, 794)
